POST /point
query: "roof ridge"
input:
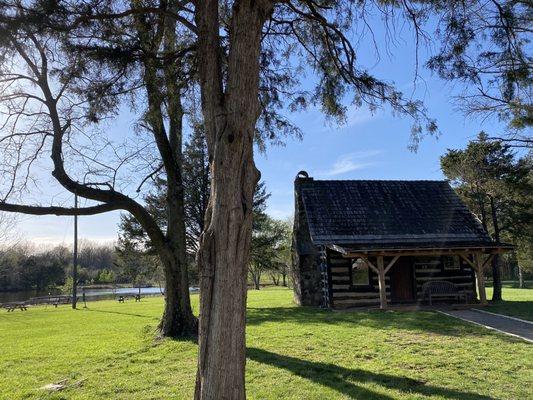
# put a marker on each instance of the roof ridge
(380, 180)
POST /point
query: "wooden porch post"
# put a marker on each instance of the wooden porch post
(480, 279)
(381, 270)
(382, 287)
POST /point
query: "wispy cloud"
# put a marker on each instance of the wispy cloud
(356, 116)
(350, 162)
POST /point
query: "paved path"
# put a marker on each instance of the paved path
(501, 323)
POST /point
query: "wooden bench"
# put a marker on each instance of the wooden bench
(441, 290)
(11, 307)
(55, 301)
(123, 298)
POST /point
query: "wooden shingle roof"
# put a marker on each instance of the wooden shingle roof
(367, 214)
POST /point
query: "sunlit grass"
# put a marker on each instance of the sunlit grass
(516, 302)
(108, 351)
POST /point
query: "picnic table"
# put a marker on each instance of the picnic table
(11, 307)
(54, 300)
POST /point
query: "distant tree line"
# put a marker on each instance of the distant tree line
(26, 267)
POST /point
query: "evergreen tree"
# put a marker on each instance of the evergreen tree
(133, 263)
(196, 185)
(487, 47)
(196, 195)
(264, 237)
(497, 187)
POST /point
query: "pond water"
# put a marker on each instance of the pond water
(6, 297)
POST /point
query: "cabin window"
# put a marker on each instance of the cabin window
(451, 262)
(360, 273)
(427, 262)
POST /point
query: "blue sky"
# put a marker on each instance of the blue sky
(368, 146)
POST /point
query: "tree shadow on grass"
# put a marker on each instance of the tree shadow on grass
(123, 313)
(416, 321)
(520, 309)
(342, 379)
(407, 320)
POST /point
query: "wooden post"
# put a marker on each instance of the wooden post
(75, 258)
(382, 287)
(480, 279)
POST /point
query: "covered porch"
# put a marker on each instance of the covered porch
(398, 274)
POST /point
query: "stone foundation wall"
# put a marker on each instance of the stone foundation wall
(306, 277)
(305, 256)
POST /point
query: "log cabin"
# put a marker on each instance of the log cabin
(373, 243)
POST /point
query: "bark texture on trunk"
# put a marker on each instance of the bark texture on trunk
(223, 261)
(223, 258)
(496, 270)
(178, 319)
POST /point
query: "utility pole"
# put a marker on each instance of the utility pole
(75, 258)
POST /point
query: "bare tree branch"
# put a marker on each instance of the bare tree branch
(57, 210)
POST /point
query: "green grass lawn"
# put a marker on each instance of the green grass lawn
(516, 302)
(108, 351)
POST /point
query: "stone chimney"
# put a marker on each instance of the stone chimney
(305, 255)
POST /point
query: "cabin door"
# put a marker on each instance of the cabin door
(401, 281)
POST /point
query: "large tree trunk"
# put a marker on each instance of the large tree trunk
(178, 319)
(225, 244)
(75, 259)
(496, 270)
(520, 278)
(223, 260)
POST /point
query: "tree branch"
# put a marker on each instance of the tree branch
(113, 200)
(140, 11)
(56, 210)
